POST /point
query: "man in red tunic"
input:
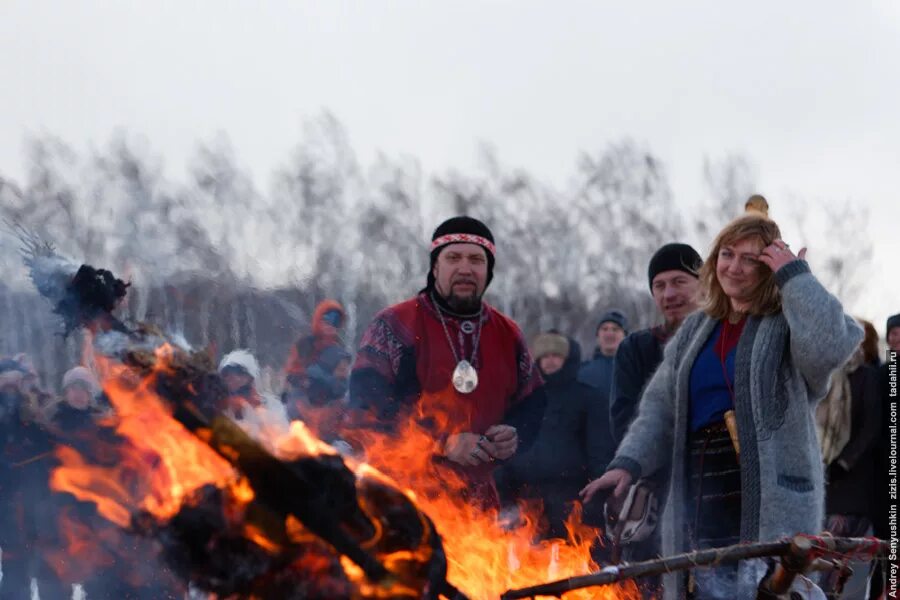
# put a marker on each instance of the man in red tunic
(447, 343)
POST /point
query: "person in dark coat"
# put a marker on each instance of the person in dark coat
(107, 571)
(566, 452)
(848, 422)
(673, 276)
(882, 493)
(24, 471)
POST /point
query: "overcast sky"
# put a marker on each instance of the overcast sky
(810, 91)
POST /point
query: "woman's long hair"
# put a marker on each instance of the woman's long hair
(766, 298)
(870, 343)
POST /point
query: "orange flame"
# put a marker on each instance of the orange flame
(162, 464)
(484, 557)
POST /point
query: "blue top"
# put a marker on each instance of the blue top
(710, 398)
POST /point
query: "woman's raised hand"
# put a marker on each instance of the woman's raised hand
(778, 253)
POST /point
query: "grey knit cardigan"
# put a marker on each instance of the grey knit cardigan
(782, 369)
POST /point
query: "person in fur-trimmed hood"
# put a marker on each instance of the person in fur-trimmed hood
(729, 412)
(447, 350)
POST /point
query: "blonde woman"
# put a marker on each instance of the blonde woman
(730, 411)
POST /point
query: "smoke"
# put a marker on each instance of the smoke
(718, 582)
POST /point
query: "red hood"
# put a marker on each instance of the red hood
(323, 307)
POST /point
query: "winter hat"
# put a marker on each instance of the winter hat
(82, 376)
(675, 257)
(462, 230)
(331, 356)
(893, 321)
(242, 361)
(551, 342)
(614, 316)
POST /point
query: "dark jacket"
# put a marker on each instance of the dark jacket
(637, 358)
(567, 452)
(25, 461)
(598, 372)
(844, 493)
(882, 478)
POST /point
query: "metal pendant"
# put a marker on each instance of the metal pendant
(467, 327)
(465, 378)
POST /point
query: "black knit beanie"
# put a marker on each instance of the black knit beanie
(613, 316)
(893, 321)
(462, 230)
(674, 257)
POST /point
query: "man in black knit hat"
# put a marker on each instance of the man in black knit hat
(447, 351)
(673, 275)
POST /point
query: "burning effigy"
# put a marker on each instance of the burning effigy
(280, 514)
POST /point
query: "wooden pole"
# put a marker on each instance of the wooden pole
(699, 558)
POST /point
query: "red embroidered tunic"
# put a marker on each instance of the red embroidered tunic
(405, 353)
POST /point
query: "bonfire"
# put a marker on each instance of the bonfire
(282, 515)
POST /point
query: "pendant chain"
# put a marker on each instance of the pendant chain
(450, 339)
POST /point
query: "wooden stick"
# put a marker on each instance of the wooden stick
(690, 560)
(795, 561)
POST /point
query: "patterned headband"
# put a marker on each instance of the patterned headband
(463, 238)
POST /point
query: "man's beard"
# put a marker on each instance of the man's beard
(464, 304)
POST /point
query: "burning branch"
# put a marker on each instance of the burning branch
(796, 555)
